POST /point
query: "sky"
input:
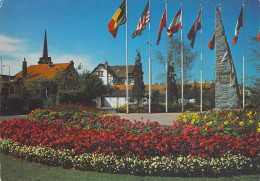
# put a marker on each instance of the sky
(78, 30)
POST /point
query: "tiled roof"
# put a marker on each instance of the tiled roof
(120, 71)
(42, 70)
(161, 86)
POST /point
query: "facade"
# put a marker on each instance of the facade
(44, 69)
(118, 98)
(114, 75)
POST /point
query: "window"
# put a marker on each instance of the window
(100, 73)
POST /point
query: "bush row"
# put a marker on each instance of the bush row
(227, 165)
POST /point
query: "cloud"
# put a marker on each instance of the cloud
(11, 46)
(14, 50)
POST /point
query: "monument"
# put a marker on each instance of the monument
(227, 93)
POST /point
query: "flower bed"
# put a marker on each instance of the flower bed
(118, 142)
(158, 108)
(227, 165)
(222, 142)
(230, 123)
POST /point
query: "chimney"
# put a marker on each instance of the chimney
(72, 63)
(49, 64)
(106, 64)
(24, 67)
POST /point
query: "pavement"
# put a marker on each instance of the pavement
(162, 118)
(2, 118)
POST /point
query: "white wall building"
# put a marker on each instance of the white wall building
(114, 75)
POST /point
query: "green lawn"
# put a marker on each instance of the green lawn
(13, 169)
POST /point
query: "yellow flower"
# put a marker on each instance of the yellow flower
(241, 123)
(248, 114)
(184, 120)
(226, 122)
(192, 121)
(209, 123)
(258, 130)
(251, 121)
(205, 117)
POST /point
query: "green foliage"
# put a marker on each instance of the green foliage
(174, 58)
(138, 87)
(34, 102)
(156, 97)
(15, 104)
(172, 87)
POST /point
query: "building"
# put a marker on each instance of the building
(6, 77)
(44, 69)
(118, 98)
(114, 75)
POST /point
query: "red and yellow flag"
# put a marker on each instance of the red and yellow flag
(118, 19)
(162, 25)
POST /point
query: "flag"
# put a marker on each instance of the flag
(118, 19)
(162, 24)
(258, 37)
(144, 19)
(211, 44)
(195, 27)
(238, 25)
(176, 24)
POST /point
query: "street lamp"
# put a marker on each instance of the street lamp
(9, 70)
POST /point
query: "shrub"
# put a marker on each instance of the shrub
(15, 104)
(34, 102)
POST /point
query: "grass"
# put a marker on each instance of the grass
(13, 169)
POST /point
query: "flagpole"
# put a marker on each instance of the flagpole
(201, 63)
(127, 106)
(244, 54)
(150, 63)
(182, 78)
(166, 64)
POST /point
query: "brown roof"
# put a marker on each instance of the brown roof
(42, 70)
(120, 71)
(161, 86)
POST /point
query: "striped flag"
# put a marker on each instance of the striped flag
(211, 44)
(258, 37)
(195, 27)
(176, 24)
(144, 19)
(118, 19)
(238, 25)
(162, 25)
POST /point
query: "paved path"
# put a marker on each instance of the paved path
(162, 118)
(2, 118)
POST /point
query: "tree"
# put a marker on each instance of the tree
(254, 90)
(172, 87)
(138, 87)
(174, 58)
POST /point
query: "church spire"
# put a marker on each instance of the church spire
(45, 59)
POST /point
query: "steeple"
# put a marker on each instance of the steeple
(45, 59)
